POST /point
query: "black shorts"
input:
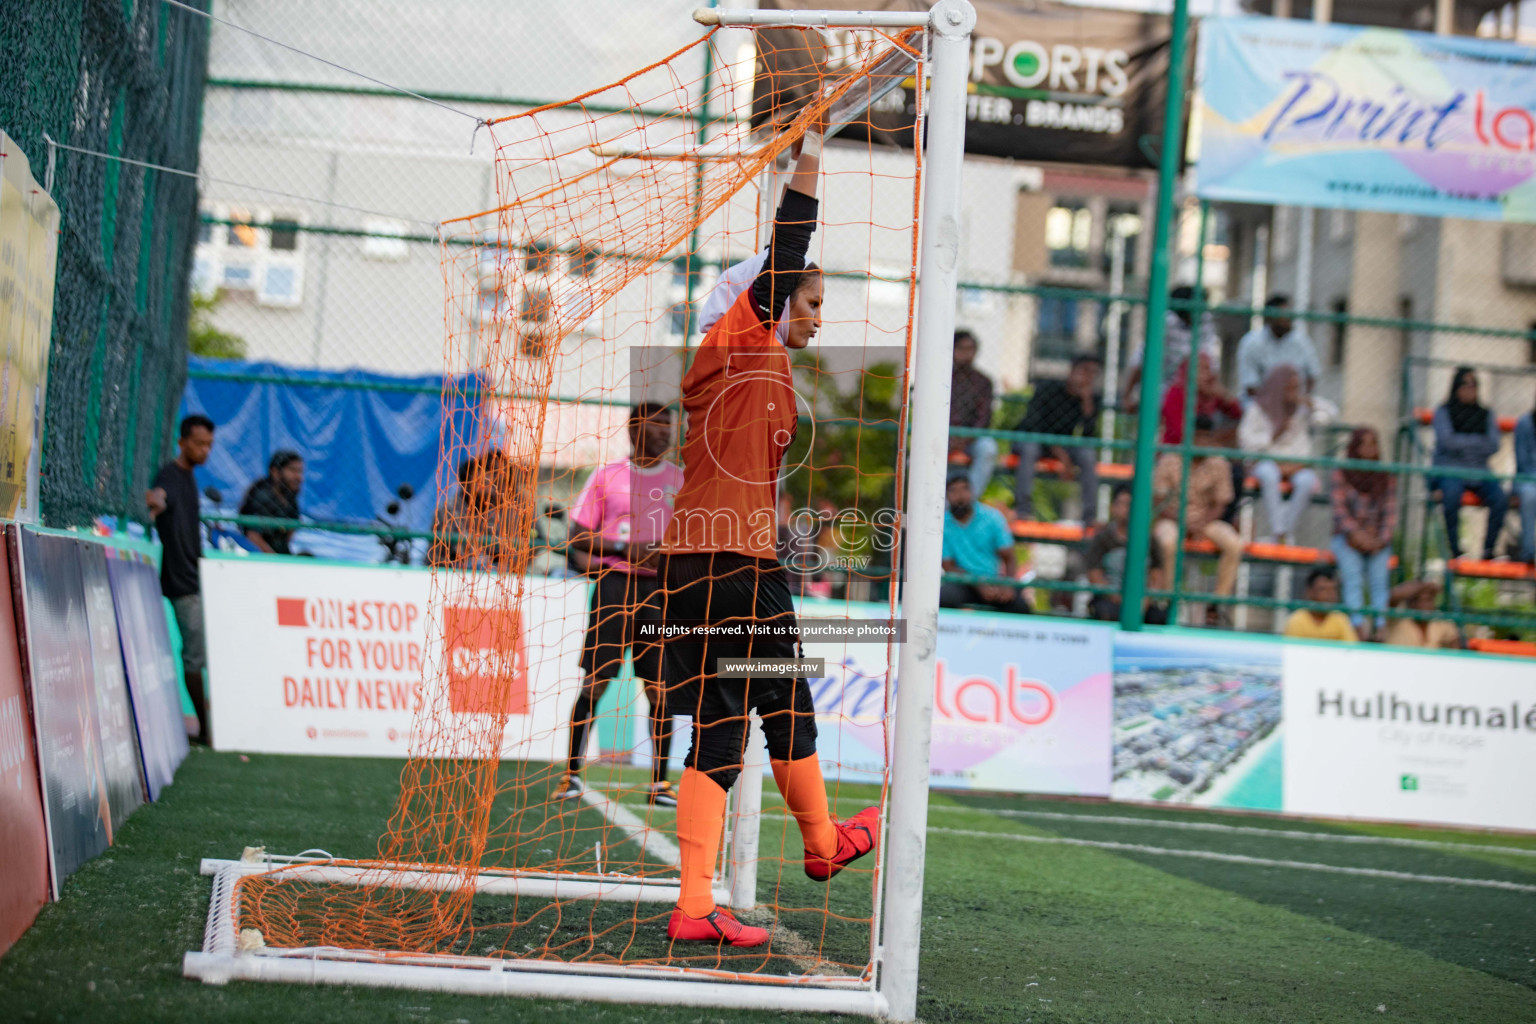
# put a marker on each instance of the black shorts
(621, 603)
(714, 588)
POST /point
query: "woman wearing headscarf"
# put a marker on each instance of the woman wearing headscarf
(720, 567)
(275, 496)
(1364, 516)
(1277, 427)
(1466, 436)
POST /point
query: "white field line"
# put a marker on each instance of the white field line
(1230, 858)
(1208, 826)
(650, 841)
(1237, 858)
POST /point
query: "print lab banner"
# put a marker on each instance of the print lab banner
(1367, 119)
(1415, 737)
(308, 658)
(1020, 705)
(1049, 81)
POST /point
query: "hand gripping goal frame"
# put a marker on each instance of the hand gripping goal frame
(889, 988)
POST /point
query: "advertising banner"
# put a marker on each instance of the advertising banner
(145, 637)
(313, 658)
(1402, 736)
(1366, 118)
(1019, 705)
(29, 237)
(114, 710)
(60, 676)
(1198, 720)
(23, 833)
(1049, 81)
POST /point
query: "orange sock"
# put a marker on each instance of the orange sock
(806, 794)
(700, 819)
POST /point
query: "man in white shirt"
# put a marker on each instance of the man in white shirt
(1275, 342)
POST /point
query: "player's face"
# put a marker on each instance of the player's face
(291, 476)
(804, 314)
(197, 445)
(1120, 508)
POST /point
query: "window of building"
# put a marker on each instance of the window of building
(1122, 221)
(1056, 320)
(540, 258)
(284, 234)
(1068, 229)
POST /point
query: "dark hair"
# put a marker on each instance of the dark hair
(1458, 378)
(1276, 300)
(1322, 572)
(283, 458)
(194, 421)
(1120, 489)
(1205, 423)
(1086, 357)
(1183, 293)
(955, 476)
(467, 468)
(965, 332)
(645, 410)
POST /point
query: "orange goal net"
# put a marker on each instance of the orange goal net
(578, 299)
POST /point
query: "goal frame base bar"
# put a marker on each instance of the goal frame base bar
(222, 960)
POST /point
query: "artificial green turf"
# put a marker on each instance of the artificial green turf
(1013, 931)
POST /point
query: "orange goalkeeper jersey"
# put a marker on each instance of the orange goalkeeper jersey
(739, 397)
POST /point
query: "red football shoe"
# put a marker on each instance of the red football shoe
(718, 926)
(855, 838)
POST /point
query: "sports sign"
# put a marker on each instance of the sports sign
(1367, 118)
(1050, 81)
(314, 658)
(23, 835)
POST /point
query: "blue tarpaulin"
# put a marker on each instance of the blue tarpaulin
(361, 434)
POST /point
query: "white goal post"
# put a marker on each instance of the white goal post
(889, 987)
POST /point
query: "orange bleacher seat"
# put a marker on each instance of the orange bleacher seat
(1427, 416)
(1518, 648)
(1050, 533)
(1492, 570)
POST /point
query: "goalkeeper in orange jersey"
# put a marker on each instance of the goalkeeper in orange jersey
(719, 567)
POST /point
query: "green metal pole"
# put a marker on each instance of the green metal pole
(1191, 399)
(1157, 309)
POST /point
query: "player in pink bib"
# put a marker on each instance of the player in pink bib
(618, 522)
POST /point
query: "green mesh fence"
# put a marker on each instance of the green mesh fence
(123, 77)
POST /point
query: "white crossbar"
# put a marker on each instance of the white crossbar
(810, 19)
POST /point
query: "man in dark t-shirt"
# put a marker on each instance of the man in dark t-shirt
(173, 501)
(275, 496)
(1065, 408)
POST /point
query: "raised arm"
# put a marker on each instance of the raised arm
(792, 230)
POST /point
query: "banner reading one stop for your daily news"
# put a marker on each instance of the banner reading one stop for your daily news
(1366, 119)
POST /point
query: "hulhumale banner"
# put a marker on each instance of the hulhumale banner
(1366, 119)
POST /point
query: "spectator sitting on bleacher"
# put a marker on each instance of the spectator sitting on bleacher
(1278, 425)
(1208, 494)
(970, 405)
(1423, 596)
(1364, 516)
(1525, 490)
(1177, 343)
(1065, 408)
(275, 496)
(977, 542)
(1275, 342)
(1310, 624)
(1466, 436)
(1106, 563)
(1211, 401)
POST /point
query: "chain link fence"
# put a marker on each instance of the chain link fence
(126, 80)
